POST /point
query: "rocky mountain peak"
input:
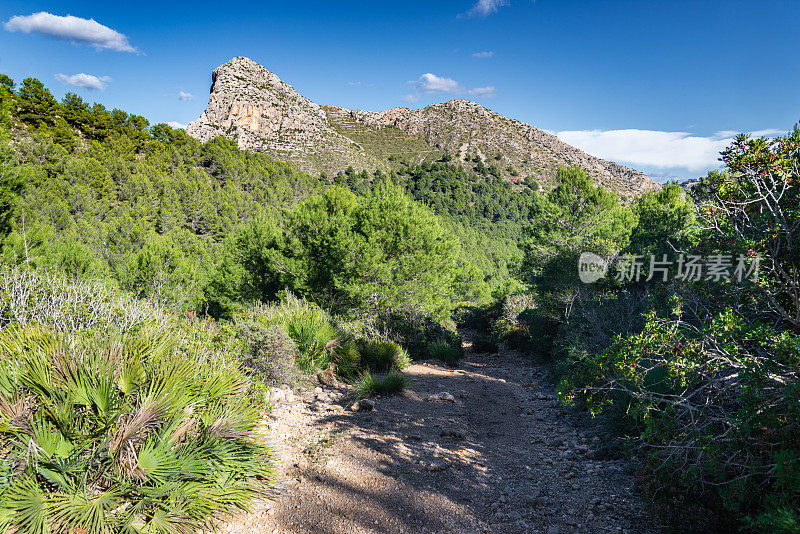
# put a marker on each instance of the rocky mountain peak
(254, 107)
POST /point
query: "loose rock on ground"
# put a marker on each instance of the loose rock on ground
(484, 447)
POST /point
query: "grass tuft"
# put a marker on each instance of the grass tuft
(381, 355)
(391, 383)
(445, 351)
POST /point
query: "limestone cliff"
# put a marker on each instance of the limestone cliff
(260, 112)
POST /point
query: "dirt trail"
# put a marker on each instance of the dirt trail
(504, 456)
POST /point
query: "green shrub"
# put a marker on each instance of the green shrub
(383, 355)
(485, 343)
(306, 324)
(575, 217)
(446, 351)
(480, 318)
(539, 330)
(391, 383)
(413, 329)
(722, 398)
(161, 271)
(522, 325)
(507, 322)
(122, 434)
(346, 358)
(351, 254)
(270, 354)
(315, 338)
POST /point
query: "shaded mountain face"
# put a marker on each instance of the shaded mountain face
(253, 107)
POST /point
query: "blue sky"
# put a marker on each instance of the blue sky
(656, 85)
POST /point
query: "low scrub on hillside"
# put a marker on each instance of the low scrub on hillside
(30, 297)
(320, 340)
(270, 354)
(446, 351)
(382, 355)
(122, 433)
(317, 342)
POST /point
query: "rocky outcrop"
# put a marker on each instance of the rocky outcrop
(463, 128)
(259, 111)
(253, 107)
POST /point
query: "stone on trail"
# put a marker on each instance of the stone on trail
(327, 377)
(435, 467)
(275, 395)
(366, 405)
(443, 396)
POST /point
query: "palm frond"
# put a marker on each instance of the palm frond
(15, 414)
(232, 423)
(79, 512)
(24, 505)
(110, 433)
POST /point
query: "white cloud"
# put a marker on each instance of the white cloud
(185, 96)
(768, 132)
(430, 83)
(86, 81)
(653, 148)
(483, 92)
(483, 8)
(486, 54)
(75, 29)
(726, 133)
(360, 84)
(176, 125)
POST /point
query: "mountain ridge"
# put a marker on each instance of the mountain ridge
(254, 107)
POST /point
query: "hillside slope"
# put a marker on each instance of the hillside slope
(260, 112)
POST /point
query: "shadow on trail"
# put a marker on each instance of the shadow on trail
(439, 458)
(503, 456)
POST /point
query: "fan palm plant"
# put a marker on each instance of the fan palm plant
(310, 328)
(122, 435)
(315, 337)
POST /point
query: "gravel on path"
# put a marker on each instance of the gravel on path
(498, 454)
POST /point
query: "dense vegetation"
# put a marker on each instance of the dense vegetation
(696, 373)
(118, 391)
(151, 208)
(153, 288)
(381, 253)
(107, 198)
(91, 424)
(483, 211)
(118, 416)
